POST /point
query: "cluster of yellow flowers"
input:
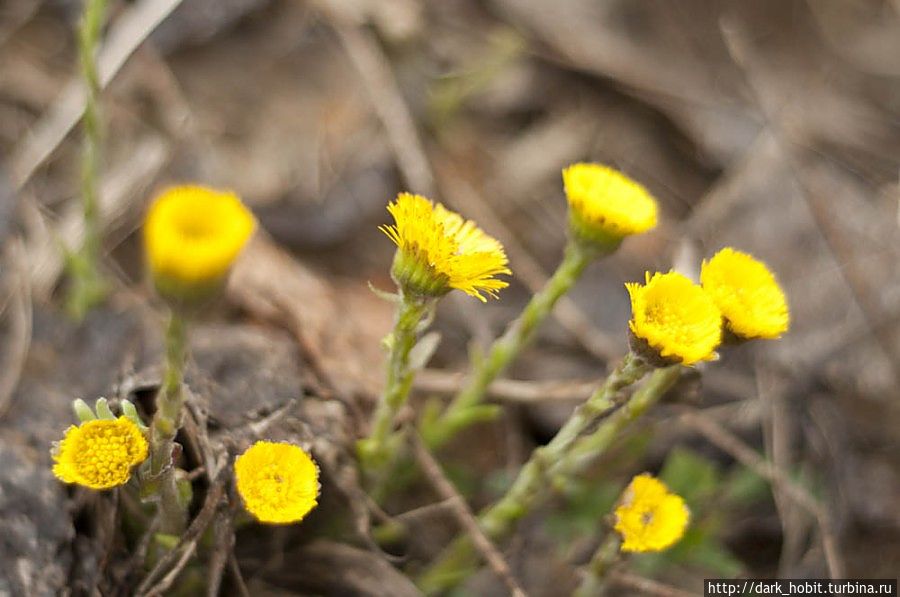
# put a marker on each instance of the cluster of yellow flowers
(682, 322)
(192, 236)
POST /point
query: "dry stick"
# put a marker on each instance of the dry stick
(375, 70)
(125, 35)
(20, 316)
(437, 381)
(728, 442)
(648, 586)
(837, 243)
(464, 515)
(188, 540)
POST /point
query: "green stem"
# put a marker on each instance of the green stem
(463, 410)
(531, 487)
(166, 422)
(593, 584)
(584, 451)
(376, 451)
(88, 287)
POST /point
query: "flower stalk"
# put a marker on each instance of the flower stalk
(594, 582)
(87, 285)
(376, 451)
(531, 486)
(166, 422)
(464, 409)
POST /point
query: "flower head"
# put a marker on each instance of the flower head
(438, 250)
(605, 205)
(752, 303)
(675, 319)
(192, 235)
(100, 453)
(650, 517)
(278, 482)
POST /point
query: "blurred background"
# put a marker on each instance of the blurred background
(772, 126)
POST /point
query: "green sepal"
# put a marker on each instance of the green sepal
(101, 407)
(131, 414)
(82, 411)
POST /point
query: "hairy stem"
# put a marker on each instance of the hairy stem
(505, 349)
(87, 285)
(166, 422)
(594, 582)
(533, 485)
(375, 451)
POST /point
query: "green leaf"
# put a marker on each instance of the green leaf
(690, 475)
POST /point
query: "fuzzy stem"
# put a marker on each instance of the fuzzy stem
(531, 487)
(87, 285)
(166, 422)
(375, 451)
(461, 411)
(593, 584)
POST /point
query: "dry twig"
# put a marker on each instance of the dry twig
(647, 586)
(185, 547)
(20, 317)
(464, 515)
(729, 443)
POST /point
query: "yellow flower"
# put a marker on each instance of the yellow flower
(192, 235)
(99, 454)
(278, 482)
(752, 303)
(438, 250)
(650, 517)
(605, 205)
(675, 319)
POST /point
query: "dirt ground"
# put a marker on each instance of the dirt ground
(772, 126)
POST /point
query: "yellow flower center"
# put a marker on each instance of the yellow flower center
(650, 517)
(192, 236)
(605, 205)
(750, 298)
(675, 317)
(100, 454)
(438, 250)
(278, 482)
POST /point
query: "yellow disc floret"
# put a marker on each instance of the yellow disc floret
(438, 250)
(675, 318)
(192, 236)
(650, 517)
(747, 293)
(605, 205)
(278, 482)
(99, 454)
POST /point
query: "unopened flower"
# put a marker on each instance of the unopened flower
(752, 303)
(650, 517)
(674, 320)
(100, 453)
(192, 236)
(278, 482)
(437, 250)
(605, 206)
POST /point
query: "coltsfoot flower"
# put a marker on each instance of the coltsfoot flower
(278, 482)
(192, 236)
(437, 251)
(605, 206)
(752, 303)
(100, 453)
(649, 516)
(673, 320)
